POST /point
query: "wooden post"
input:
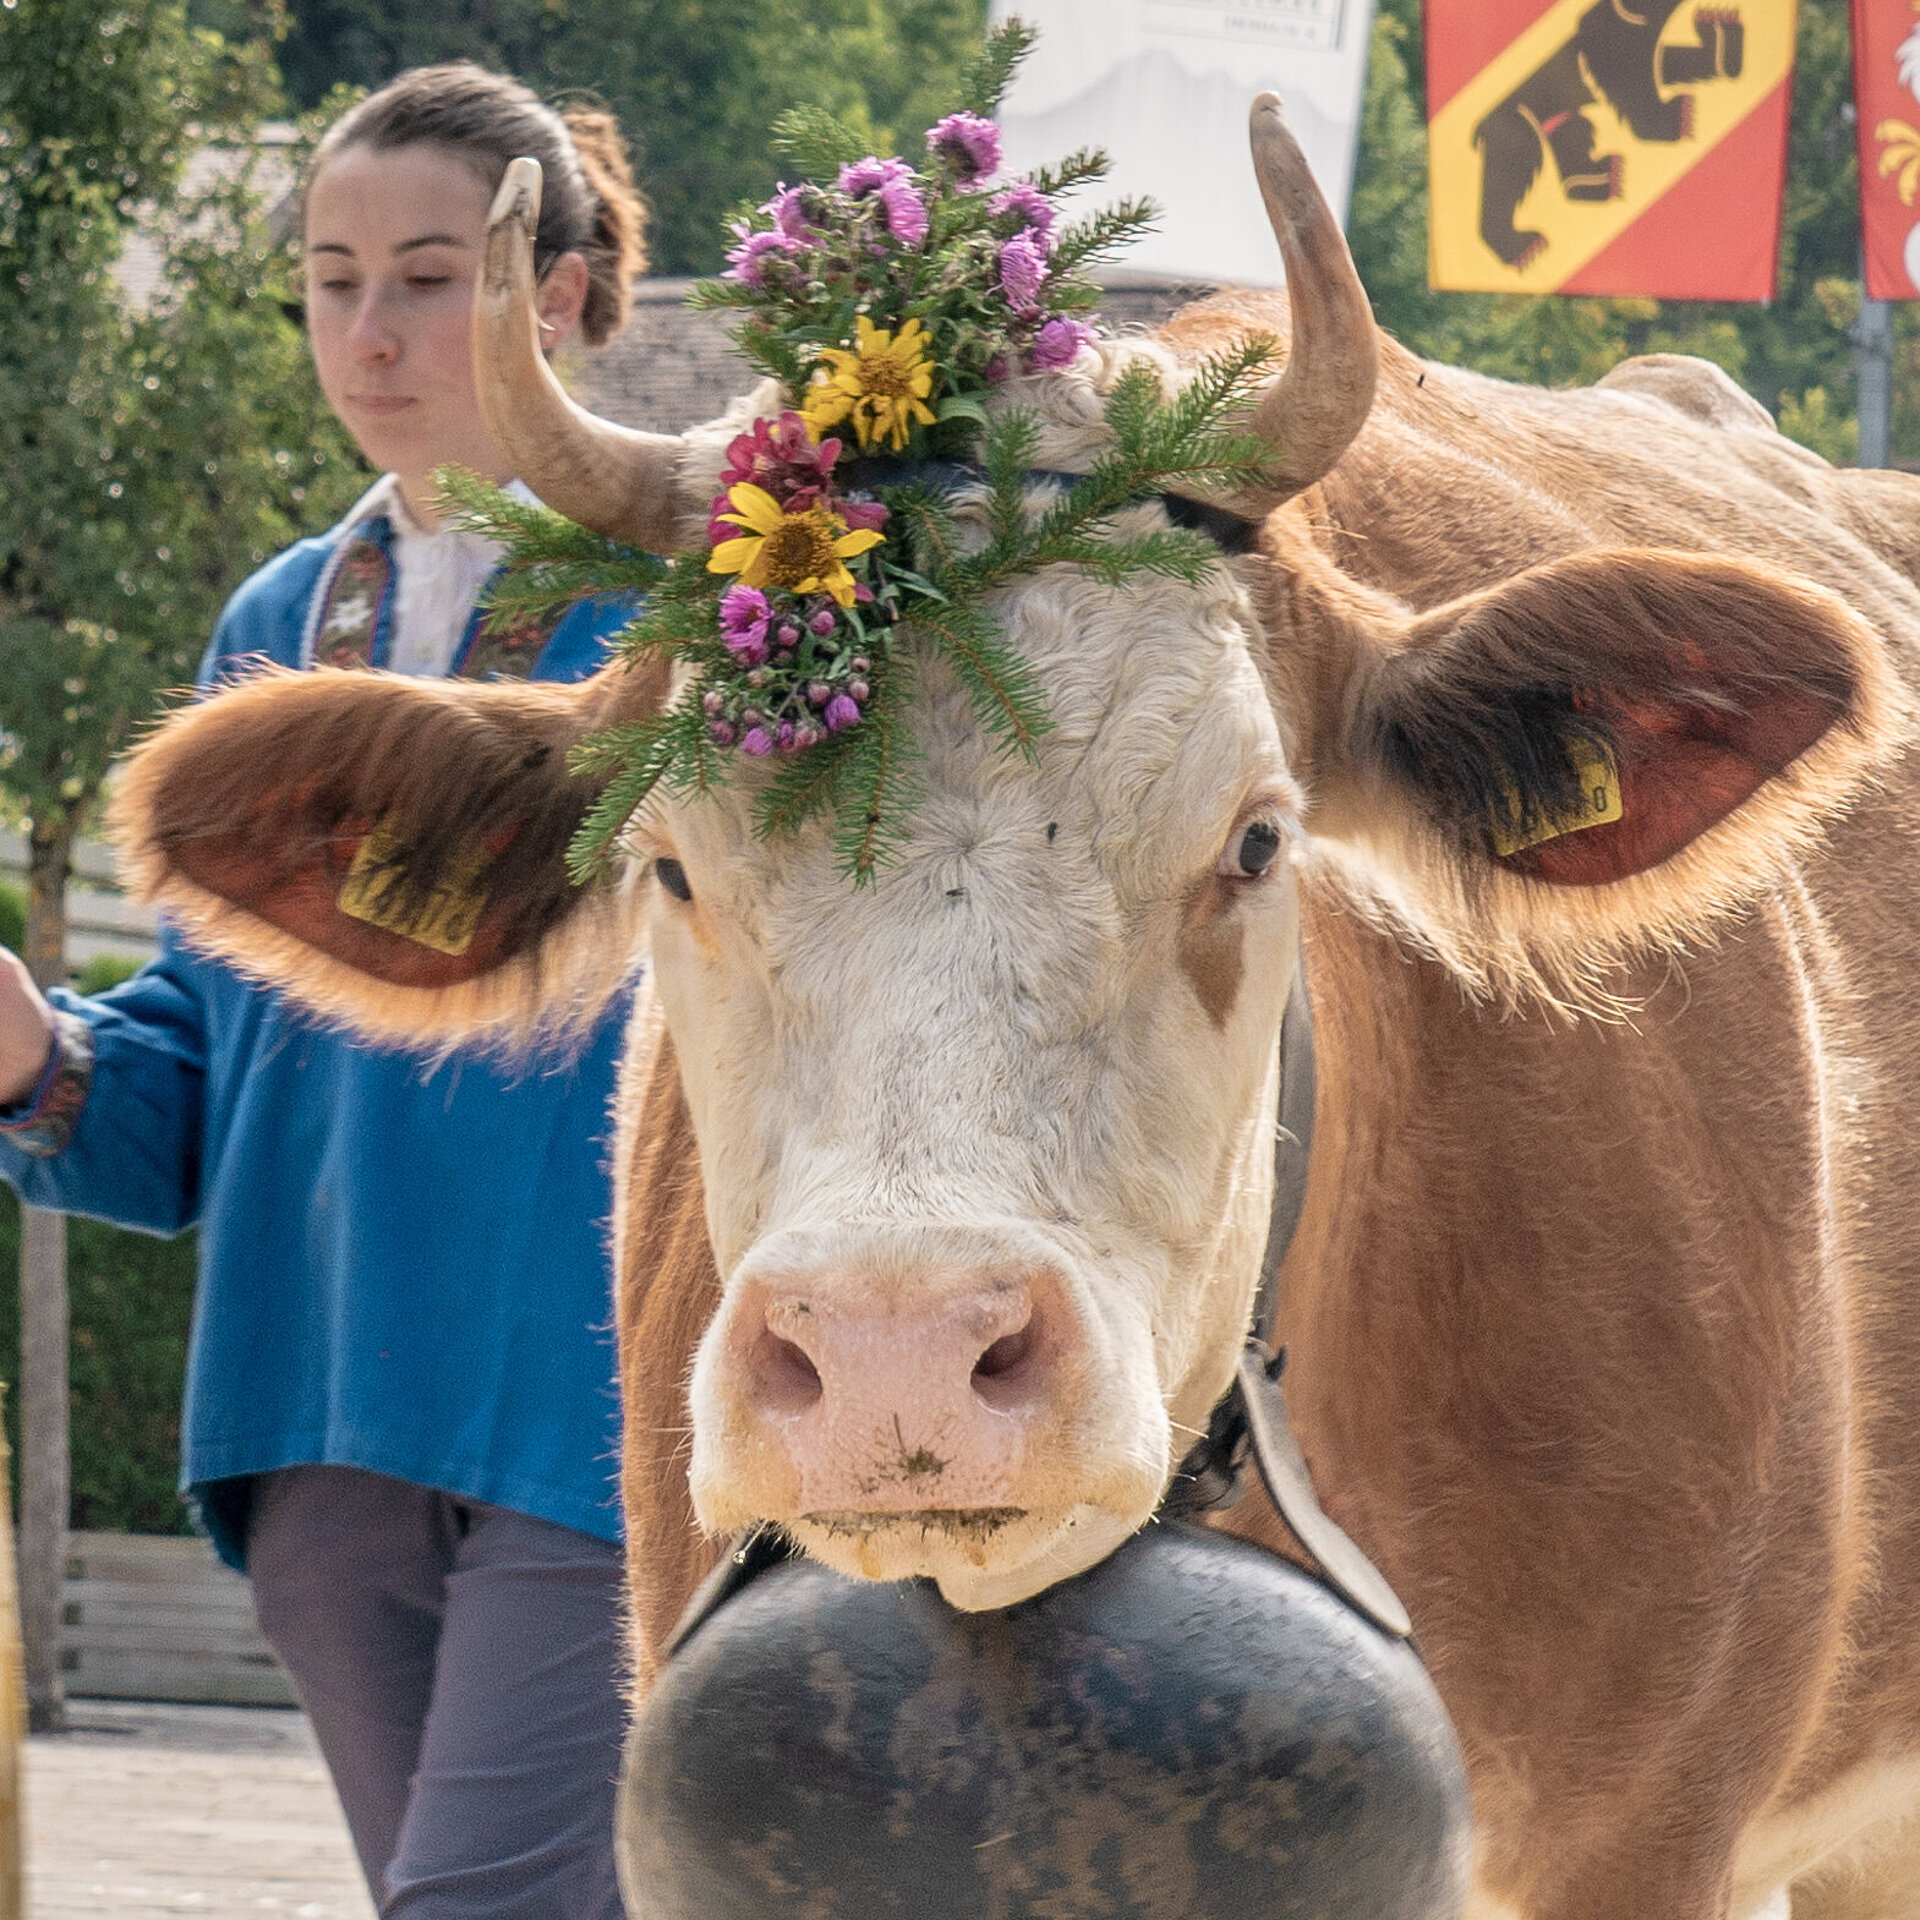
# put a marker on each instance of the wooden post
(45, 1471)
(13, 1707)
(1873, 381)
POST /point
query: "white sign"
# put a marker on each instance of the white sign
(1164, 86)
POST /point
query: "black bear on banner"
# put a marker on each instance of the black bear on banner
(1615, 55)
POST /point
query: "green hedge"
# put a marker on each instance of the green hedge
(130, 1297)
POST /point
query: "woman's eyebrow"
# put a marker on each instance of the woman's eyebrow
(432, 240)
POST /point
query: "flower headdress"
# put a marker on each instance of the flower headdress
(888, 305)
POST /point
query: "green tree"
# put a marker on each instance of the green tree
(153, 456)
(697, 83)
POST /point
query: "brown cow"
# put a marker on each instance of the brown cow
(1604, 1308)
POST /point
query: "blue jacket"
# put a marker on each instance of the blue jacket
(403, 1266)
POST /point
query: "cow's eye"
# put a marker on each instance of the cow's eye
(1251, 851)
(673, 876)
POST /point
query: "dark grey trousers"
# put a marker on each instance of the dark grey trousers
(462, 1665)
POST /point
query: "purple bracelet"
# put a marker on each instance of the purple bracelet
(44, 1123)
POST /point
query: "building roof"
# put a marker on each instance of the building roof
(671, 367)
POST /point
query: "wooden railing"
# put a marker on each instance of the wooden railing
(149, 1618)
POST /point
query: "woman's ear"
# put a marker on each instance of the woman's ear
(559, 298)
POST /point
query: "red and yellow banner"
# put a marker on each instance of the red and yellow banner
(1886, 91)
(1608, 146)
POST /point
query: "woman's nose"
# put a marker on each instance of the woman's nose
(371, 334)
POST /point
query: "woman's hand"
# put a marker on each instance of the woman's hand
(26, 1030)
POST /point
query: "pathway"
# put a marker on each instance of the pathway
(219, 1811)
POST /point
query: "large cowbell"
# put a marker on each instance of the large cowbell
(1193, 1730)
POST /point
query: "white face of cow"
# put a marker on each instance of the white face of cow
(987, 1146)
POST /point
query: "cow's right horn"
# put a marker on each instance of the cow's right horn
(609, 478)
(1319, 403)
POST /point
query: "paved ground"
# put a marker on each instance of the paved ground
(219, 1811)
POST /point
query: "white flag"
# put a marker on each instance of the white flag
(1164, 86)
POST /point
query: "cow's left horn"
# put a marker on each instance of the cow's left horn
(1319, 403)
(607, 477)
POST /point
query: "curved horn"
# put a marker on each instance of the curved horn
(1320, 402)
(609, 478)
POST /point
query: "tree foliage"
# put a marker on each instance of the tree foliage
(154, 453)
(697, 83)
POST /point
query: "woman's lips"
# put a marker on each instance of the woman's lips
(381, 402)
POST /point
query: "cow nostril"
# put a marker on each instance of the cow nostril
(1003, 1374)
(789, 1382)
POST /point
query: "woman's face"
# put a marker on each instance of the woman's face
(394, 242)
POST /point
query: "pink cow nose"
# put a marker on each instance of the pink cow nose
(924, 1409)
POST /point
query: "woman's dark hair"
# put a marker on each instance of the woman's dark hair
(588, 205)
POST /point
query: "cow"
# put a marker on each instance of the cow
(1558, 737)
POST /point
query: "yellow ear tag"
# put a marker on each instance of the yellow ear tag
(1599, 802)
(451, 914)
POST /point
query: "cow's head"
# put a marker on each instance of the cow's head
(987, 1145)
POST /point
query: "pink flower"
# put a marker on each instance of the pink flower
(756, 741)
(722, 733)
(840, 714)
(862, 516)
(785, 735)
(1023, 270)
(782, 458)
(1027, 204)
(787, 211)
(747, 262)
(967, 144)
(906, 212)
(862, 177)
(822, 623)
(1057, 342)
(743, 623)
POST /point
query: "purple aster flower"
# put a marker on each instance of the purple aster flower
(1057, 342)
(1027, 204)
(840, 714)
(785, 735)
(787, 213)
(743, 623)
(862, 177)
(968, 144)
(747, 262)
(906, 212)
(1023, 269)
(756, 741)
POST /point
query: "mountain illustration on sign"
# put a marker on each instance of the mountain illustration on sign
(1614, 55)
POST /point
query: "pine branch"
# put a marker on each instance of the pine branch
(533, 535)
(1005, 695)
(819, 143)
(1076, 170)
(990, 72)
(1104, 233)
(878, 772)
(804, 786)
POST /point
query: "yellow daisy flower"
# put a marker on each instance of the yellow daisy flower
(883, 382)
(803, 552)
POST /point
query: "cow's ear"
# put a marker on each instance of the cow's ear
(390, 852)
(1605, 753)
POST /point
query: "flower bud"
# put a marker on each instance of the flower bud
(819, 693)
(757, 678)
(860, 691)
(789, 633)
(860, 663)
(822, 622)
(713, 703)
(722, 733)
(757, 742)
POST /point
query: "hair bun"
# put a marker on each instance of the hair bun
(616, 253)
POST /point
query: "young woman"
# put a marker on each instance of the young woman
(400, 1413)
